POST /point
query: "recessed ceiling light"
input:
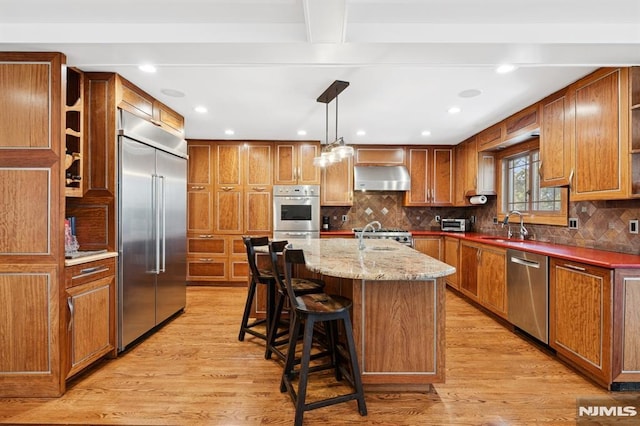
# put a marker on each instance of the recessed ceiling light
(229, 132)
(201, 109)
(505, 68)
(302, 133)
(147, 68)
(454, 110)
(361, 133)
(469, 93)
(426, 133)
(173, 93)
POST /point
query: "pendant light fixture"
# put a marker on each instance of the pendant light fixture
(337, 150)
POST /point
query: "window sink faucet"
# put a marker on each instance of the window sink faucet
(368, 225)
(523, 230)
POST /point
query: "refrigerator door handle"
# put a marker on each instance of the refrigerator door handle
(162, 226)
(156, 223)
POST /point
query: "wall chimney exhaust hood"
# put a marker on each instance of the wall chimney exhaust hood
(381, 178)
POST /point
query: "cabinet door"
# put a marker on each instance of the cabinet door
(601, 137)
(228, 189)
(431, 246)
(307, 173)
(135, 100)
(555, 140)
(491, 137)
(337, 184)
(200, 188)
(522, 123)
(258, 189)
(492, 278)
(452, 257)
(580, 316)
(418, 165)
(468, 274)
(91, 309)
(441, 177)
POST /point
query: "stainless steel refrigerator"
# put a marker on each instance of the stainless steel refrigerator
(152, 206)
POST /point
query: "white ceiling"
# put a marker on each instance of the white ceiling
(259, 65)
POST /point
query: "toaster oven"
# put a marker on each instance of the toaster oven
(455, 225)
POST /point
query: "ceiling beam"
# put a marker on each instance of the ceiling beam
(325, 20)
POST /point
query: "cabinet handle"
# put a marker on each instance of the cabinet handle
(155, 122)
(71, 313)
(197, 188)
(205, 236)
(540, 169)
(259, 188)
(90, 271)
(205, 259)
(570, 179)
(227, 188)
(574, 267)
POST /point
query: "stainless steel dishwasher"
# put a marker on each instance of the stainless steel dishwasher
(528, 292)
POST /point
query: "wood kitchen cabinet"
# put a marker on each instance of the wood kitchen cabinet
(580, 316)
(474, 172)
(584, 126)
(482, 275)
(451, 256)
(91, 311)
(431, 246)
(431, 171)
(131, 98)
(491, 137)
(294, 163)
(230, 194)
(336, 188)
(376, 155)
(32, 331)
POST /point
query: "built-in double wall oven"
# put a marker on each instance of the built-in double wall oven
(296, 211)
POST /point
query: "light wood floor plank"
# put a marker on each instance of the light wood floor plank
(195, 372)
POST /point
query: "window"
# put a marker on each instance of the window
(523, 191)
(520, 188)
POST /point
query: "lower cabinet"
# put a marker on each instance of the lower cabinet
(431, 246)
(451, 256)
(90, 298)
(483, 277)
(214, 258)
(580, 316)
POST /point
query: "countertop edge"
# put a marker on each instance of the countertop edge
(90, 258)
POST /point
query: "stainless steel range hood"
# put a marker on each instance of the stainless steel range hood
(381, 178)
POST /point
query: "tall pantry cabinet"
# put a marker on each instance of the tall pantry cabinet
(32, 331)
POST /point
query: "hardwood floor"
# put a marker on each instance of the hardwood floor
(195, 371)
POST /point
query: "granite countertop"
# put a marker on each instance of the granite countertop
(381, 260)
(89, 256)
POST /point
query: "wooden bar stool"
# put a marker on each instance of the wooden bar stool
(300, 287)
(308, 310)
(257, 276)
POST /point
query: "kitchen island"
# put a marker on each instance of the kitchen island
(398, 309)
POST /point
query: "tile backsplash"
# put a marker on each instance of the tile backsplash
(601, 224)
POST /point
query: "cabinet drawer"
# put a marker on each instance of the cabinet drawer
(207, 269)
(212, 245)
(86, 272)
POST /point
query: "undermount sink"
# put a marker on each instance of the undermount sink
(382, 248)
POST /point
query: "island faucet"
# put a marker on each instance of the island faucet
(523, 230)
(368, 225)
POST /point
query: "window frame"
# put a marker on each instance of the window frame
(560, 218)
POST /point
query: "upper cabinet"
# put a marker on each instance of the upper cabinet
(379, 155)
(431, 170)
(634, 83)
(136, 101)
(294, 163)
(74, 134)
(475, 172)
(584, 127)
(337, 184)
(516, 128)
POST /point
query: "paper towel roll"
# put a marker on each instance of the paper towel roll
(478, 199)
